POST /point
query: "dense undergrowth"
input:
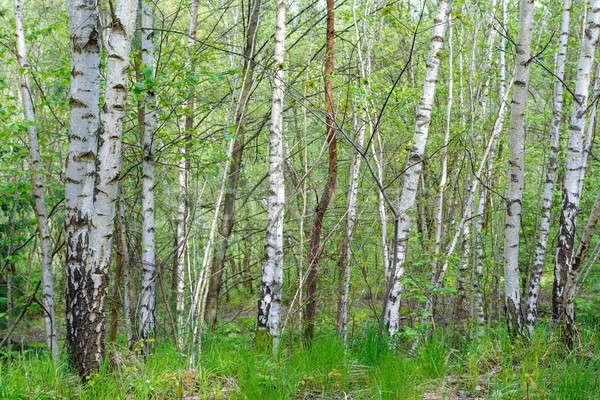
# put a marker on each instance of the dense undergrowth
(493, 367)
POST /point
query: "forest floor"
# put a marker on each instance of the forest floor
(230, 367)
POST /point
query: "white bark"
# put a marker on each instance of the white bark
(575, 271)
(540, 251)
(346, 262)
(126, 267)
(182, 180)
(575, 160)
(148, 294)
(80, 166)
(37, 184)
(463, 273)
(107, 176)
(414, 164)
(589, 131)
(515, 178)
(381, 206)
(439, 215)
(269, 303)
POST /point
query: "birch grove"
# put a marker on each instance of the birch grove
(247, 198)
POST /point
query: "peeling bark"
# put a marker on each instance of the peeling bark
(269, 303)
(80, 168)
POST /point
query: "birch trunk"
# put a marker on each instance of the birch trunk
(463, 273)
(575, 271)
(80, 168)
(37, 183)
(575, 162)
(512, 292)
(107, 179)
(218, 261)
(591, 123)
(344, 263)
(123, 255)
(148, 294)
(439, 215)
(182, 180)
(269, 303)
(378, 160)
(540, 251)
(414, 162)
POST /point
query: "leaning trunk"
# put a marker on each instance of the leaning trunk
(218, 261)
(37, 184)
(414, 166)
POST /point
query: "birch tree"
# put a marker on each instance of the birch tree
(575, 271)
(269, 303)
(37, 185)
(551, 166)
(439, 213)
(84, 126)
(107, 177)
(414, 165)
(575, 161)
(148, 294)
(182, 182)
(512, 292)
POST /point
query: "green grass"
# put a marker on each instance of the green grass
(492, 367)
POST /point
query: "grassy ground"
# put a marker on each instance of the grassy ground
(230, 368)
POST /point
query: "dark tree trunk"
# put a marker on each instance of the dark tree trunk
(315, 237)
